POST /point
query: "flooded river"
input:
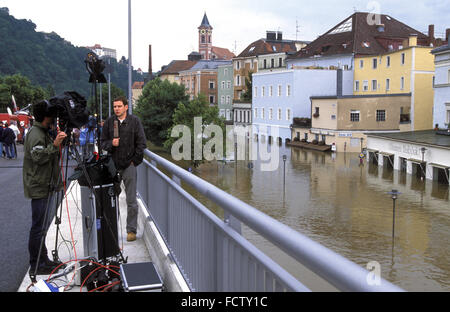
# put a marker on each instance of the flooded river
(345, 206)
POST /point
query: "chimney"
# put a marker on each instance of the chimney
(431, 32)
(447, 34)
(150, 69)
(271, 35)
(279, 35)
(412, 40)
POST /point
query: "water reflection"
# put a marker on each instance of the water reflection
(344, 205)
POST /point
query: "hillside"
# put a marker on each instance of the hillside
(49, 60)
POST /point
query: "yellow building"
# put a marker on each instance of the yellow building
(409, 69)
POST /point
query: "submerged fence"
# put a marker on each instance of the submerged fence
(214, 256)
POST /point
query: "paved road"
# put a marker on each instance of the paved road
(15, 221)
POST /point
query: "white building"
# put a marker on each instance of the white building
(441, 108)
(425, 154)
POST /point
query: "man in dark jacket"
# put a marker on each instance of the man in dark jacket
(1, 139)
(41, 176)
(8, 139)
(126, 145)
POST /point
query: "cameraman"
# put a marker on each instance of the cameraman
(41, 174)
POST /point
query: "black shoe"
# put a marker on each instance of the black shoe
(54, 264)
(43, 269)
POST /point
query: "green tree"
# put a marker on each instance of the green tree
(115, 93)
(23, 90)
(156, 106)
(247, 94)
(185, 115)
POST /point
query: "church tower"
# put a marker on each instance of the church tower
(205, 39)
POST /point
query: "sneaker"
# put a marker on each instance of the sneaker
(131, 237)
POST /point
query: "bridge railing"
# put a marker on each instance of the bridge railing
(214, 256)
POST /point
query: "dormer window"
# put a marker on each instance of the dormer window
(366, 44)
(251, 49)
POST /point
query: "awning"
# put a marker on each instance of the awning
(371, 150)
(439, 166)
(419, 162)
(386, 154)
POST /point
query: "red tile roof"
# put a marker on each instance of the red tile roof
(264, 46)
(222, 53)
(176, 66)
(138, 85)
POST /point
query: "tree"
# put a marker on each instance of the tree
(197, 133)
(24, 92)
(156, 106)
(247, 95)
(115, 93)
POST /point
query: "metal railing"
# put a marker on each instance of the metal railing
(214, 256)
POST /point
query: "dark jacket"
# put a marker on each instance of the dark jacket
(8, 136)
(40, 163)
(132, 141)
(1, 134)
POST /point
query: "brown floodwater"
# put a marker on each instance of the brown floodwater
(345, 206)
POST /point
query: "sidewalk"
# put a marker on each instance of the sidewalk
(135, 251)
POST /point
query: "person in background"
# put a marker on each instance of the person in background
(9, 139)
(1, 140)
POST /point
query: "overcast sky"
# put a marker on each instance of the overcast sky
(170, 26)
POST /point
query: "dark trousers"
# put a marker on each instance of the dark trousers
(39, 226)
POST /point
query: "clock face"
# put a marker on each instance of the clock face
(202, 31)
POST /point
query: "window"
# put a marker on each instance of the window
(448, 112)
(280, 62)
(279, 90)
(211, 85)
(270, 91)
(388, 84)
(361, 64)
(388, 61)
(403, 58)
(288, 114)
(333, 117)
(262, 113)
(222, 99)
(272, 63)
(288, 90)
(374, 63)
(402, 83)
(265, 64)
(263, 91)
(279, 114)
(356, 85)
(354, 116)
(223, 84)
(238, 65)
(374, 85)
(270, 114)
(365, 85)
(225, 71)
(448, 78)
(255, 112)
(228, 99)
(238, 80)
(381, 115)
(211, 99)
(255, 92)
(228, 84)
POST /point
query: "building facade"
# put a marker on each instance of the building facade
(441, 108)
(202, 79)
(407, 70)
(279, 96)
(225, 90)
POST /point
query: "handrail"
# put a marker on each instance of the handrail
(342, 273)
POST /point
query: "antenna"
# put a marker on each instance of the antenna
(296, 29)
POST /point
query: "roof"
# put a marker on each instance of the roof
(208, 64)
(176, 66)
(264, 46)
(441, 49)
(355, 35)
(222, 53)
(205, 22)
(138, 85)
(425, 137)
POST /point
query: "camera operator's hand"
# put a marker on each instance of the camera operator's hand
(115, 142)
(59, 138)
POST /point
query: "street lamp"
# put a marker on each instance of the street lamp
(394, 195)
(284, 172)
(423, 150)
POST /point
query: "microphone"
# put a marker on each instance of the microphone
(116, 129)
